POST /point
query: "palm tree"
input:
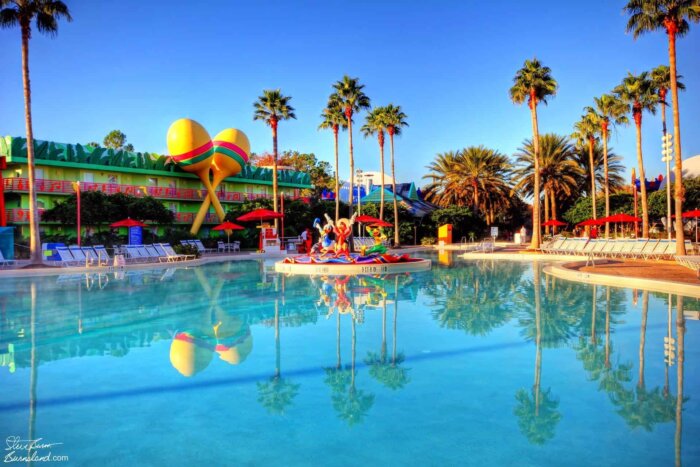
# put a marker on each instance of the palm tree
(463, 178)
(639, 94)
(671, 16)
(351, 98)
(375, 124)
(46, 14)
(334, 119)
(272, 107)
(661, 76)
(395, 120)
(608, 110)
(559, 173)
(534, 83)
(585, 133)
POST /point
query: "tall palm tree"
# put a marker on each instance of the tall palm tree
(639, 94)
(45, 14)
(349, 94)
(608, 110)
(272, 107)
(334, 119)
(559, 173)
(375, 125)
(534, 83)
(615, 168)
(661, 76)
(585, 133)
(673, 17)
(395, 121)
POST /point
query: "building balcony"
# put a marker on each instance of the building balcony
(65, 187)
(21, 216)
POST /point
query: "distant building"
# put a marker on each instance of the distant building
(407, 195)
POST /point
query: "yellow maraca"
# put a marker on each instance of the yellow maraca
(231, 154)
(191, 148)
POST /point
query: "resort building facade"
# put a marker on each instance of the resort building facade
(58, 166)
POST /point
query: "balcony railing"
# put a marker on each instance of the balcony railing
(21, 216)
(66, 187)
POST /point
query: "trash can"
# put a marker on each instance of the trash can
(7, 242)
(445, 234)
(517, 239)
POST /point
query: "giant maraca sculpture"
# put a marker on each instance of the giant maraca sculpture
(231, 154)
(191, 148)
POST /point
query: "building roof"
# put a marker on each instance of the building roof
(90, 157)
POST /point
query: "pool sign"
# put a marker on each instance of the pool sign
(494, 232)
(135, 235)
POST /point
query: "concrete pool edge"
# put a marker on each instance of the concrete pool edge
(652, 285)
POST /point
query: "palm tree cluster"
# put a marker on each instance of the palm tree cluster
(348, 99)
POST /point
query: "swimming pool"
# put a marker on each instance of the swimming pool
(474, 362)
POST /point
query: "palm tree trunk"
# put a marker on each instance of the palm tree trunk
(546, 207)
(642, 337)
(607, 183)
(678, 161)
(381, 169)
(536, 227)
(393, 189)
(34, 238)
(590, 162)
(337, 179)
(352, 162)
(642, 178)
(274, 174)
(553, 204)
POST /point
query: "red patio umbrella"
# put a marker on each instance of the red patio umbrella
(590, 222)
(367, 219)
(260, 215)
(620, 218)
(228, 227)
(553, 223)
(379, 223)
(128, 222)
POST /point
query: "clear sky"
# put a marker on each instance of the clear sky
(138, 65)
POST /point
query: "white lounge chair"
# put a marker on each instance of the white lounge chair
(5, 262)
(66, 258)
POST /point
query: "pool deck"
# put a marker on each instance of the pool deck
(661, 276)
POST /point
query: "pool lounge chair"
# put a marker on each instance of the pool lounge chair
(5, 262)
(171, 256)
(201, 248)
(553, 245)
(90, 256)
(103, 258)
(690, 262)
(636, 248)
(66, 258)
(78, 254)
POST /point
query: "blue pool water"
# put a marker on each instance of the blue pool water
(472, 363)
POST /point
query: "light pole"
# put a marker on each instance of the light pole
(358, 173)
(667, 153)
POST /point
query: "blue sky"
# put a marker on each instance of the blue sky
(138, 65)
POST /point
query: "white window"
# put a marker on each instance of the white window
(112, 179)
(153, 181)
(88, 177)
(38, 174)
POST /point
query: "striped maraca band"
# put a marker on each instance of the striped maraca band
(196, 155)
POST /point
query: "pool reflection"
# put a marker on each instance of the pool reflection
(210, 315)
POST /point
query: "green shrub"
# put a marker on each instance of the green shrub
(186, 250)
(428, 241)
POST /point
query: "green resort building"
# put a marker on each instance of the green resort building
(58, 166)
